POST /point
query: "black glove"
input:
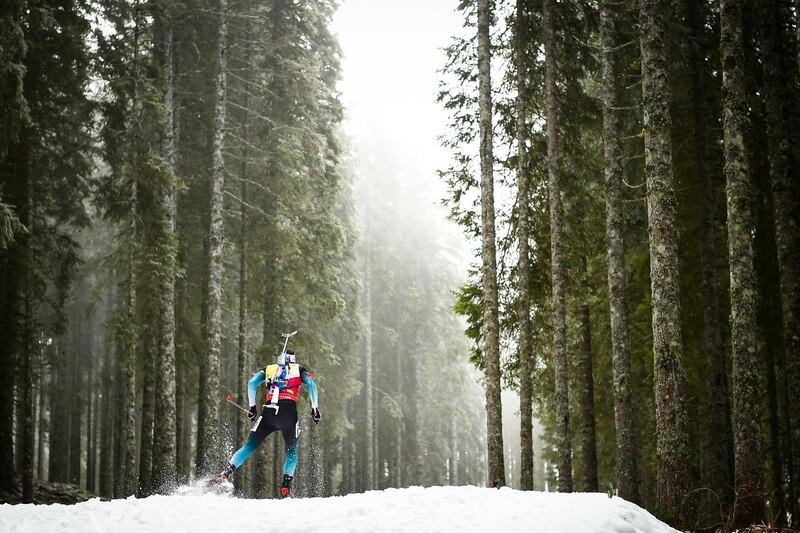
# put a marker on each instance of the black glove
(315, 415)
(251, 413)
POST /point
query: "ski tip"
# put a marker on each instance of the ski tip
(228, 398)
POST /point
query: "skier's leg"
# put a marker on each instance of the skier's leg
(291, 437)
(260, 430)
(290, 428)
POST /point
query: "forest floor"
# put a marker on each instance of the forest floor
(47, 493)
(415, 509)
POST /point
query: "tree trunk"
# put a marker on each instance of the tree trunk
(7, 361)
(107, 429)
(491, 327)
(672, 440)
(27, 347)
(147, 417)
(746, 394)
(563, 447)
(780, 95)
(241, 481)
(127, 361)
(719, 442)
(165, 439)
(209, 456)
(44, 416)
(523, 263)
(58, 462)
(586, 388)
(75, 415)
(627, 476)
(91, 418)
(368, 393)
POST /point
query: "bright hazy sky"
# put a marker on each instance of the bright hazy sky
(392, 53)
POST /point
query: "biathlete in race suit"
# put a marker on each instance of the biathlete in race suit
(279, 412)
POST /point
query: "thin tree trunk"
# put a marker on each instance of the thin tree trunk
(586, 387)
(563, 447)
(627, 477)
(107, 429)
(91, 418)
(491, 328)
(209, 456)
(780, 95)
(27, 347)
(147, 417)
(241, 481)
(720, 437)
(370, 421)
(523, 264)
(165, 439)
(76, 415)
(44, 418)
(672, 440)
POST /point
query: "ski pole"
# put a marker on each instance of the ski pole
(230, 401)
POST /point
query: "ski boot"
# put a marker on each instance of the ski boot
(286, 486)
(226, 474)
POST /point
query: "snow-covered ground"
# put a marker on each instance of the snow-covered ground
(416, 509)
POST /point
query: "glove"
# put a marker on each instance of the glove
(251, 413)
(315, 415)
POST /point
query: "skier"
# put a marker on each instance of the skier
(278, 413)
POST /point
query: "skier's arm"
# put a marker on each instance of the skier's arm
(252, 386)
(312, 388)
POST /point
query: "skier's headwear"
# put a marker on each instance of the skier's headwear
(286, 357)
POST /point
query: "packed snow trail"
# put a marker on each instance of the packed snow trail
(413, 510)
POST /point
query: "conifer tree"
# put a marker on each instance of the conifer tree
(208, 447)
(491, 333)
(746, 404)
(627, 476)
(672, 448)
(556, 256)
(523, 265)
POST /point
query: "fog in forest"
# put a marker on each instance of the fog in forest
(316, 248)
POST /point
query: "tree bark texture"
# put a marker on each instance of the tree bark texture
(780, 96)
(368, 392)
(165, 438)
(26, 344)
(213, 330)
(719, 444)
(749, 488)
(523, 263)
(564, 449)
(586, 388)
(147, 415)
(672, 441)
(491, 327)
(624, 423)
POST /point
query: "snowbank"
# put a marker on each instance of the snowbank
(416, 509)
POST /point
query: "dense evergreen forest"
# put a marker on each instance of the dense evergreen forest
(177, 191)
(628, 173)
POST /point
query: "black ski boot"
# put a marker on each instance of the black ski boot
(286, 486)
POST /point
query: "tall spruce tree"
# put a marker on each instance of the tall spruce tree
(208, 453)
(672, 448)
(780, 74)
(746, 402)
(560, 365)
(627, 475)
(491, 328)
(523, 264)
